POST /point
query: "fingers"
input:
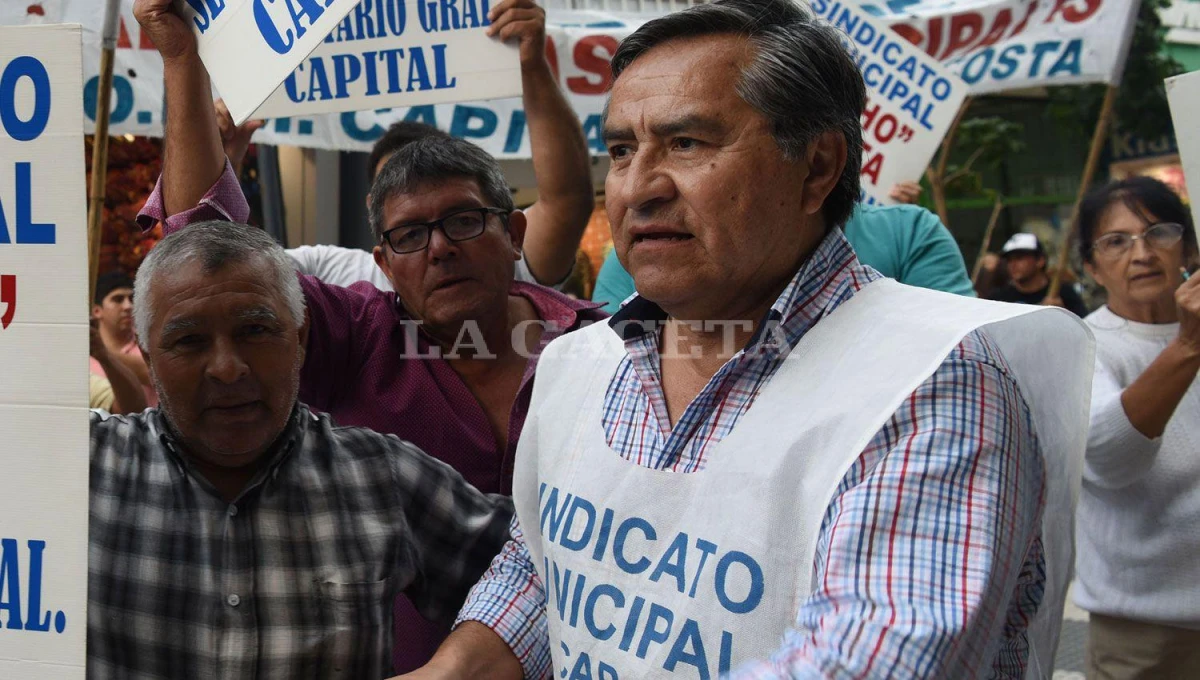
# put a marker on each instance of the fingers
(224, 119)
(532, 18)
(502, 7)
(251, 125)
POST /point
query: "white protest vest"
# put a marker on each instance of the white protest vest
(652, 574)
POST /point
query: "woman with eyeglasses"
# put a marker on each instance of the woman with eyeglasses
(1138, 522)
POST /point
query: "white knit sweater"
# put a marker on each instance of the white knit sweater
(1138, 525)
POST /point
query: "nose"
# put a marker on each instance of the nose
(1141, 251)
(226, 364)
(646, 183)
(440, 247)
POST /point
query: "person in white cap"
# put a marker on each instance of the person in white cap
(1028, 282)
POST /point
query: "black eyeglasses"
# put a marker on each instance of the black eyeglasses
(463, 225)
(1159, 236)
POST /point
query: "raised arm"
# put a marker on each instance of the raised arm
(561, 164)
(193, 156)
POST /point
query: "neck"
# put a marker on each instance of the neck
(484, 345)
(1162, 310)
(1033, 283)
(115, 339)
(721, 333)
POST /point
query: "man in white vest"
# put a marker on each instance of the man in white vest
(776, 463)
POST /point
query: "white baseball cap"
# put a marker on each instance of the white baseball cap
(1023, 242)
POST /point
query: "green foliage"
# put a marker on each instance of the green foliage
(986, 141)
(1141, 106)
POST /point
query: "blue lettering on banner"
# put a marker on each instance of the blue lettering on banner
(206, 11)
(452, 15)
(31, 618)
(1044, 59)
(122, 97)
(880, 55)
(295, 27)
(35, 72)
(375, 68)
(647, 628)
(24, 69)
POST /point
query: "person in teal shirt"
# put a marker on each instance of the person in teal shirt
(904, 242)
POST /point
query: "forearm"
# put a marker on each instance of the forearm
(1151, 400)
(472, 651)
(562, 169)
(135, 365)
(128, 396)
(193, 158)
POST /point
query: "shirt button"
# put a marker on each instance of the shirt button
(233, 511)
(233, 600)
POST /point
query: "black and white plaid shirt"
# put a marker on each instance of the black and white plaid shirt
(295, 578)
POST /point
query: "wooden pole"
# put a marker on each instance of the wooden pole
(1099, 136)
(100, 143)
(937, 173)
(987, 238)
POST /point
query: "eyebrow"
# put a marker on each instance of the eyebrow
(670, 128)
(250, 314)
(257, 313)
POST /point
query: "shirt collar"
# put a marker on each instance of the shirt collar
(828, 277)
(285, 444)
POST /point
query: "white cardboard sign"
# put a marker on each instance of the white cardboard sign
(43, 355)
(1183, 94)
(390, 53)
(250, 46)
(911, 102)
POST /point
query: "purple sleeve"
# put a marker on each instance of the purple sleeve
(341, 321)
(224, 201)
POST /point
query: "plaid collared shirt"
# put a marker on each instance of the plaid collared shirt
(293, 579)
(928, 562)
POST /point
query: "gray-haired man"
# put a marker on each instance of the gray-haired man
(848, 484)
(235, 534)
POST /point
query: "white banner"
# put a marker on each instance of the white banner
(1183, 94)
(998, 45)
(43, 355)
(911, 102)
(389, 53)
(250, 47)
(994, 44)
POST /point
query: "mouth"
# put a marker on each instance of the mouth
(451, 282)
(652, 236)
(235, 411)
(1146, 276)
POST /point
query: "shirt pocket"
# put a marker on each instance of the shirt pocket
(359, 640)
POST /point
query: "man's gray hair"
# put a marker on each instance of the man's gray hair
(802, 78)
(434, 159)
(215, 245)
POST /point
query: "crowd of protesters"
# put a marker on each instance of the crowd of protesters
(334, 463)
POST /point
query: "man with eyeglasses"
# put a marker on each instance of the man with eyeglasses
(1029, 283)
(446, 361)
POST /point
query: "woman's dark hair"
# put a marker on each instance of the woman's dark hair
(1145, 197)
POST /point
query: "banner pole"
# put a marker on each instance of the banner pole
(100, 142)
(987, 238)
(1089, 170)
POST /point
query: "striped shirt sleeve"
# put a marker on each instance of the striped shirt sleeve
(923, 560)
(511, 600)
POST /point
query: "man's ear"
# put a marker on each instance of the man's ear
(96, 311)
(381, 261)
(517, 222)
(826, 159)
